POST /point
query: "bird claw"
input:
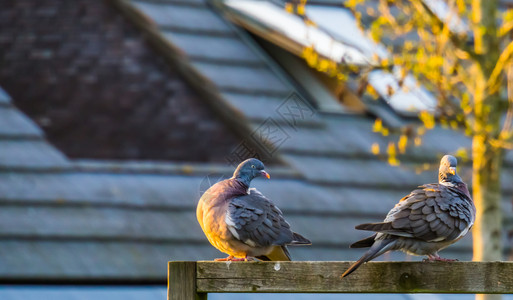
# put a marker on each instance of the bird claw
(231, 258)
(438, 258)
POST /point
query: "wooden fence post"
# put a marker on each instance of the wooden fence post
(181, 281)
(194, 280)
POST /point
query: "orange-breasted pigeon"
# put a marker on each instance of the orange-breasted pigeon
(242, 222)
(426, 221)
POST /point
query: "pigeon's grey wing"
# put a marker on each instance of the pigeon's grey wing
(433, 213)
(256, 221)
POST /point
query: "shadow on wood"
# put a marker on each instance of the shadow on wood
(193, 280)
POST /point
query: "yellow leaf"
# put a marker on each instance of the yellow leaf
(301, 9)
(428, 119)
(403, 142)
(393, 161)
(342, 77)
(378, 125)
(392, 154)
(372, 92)
(310, 23)
(391, 149)
(289, 8)
(462, 153)
(417, 141)
(408, 45)
(375, 149)
(323, 65)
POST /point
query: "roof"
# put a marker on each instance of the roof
(67, 219)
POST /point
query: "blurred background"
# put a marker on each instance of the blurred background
(116, 115)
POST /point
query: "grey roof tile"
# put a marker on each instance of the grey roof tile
(259, 107)
(242, 78)
(352, 136)
(15, 124)
(181, 193)
(94, 259)
(58, 259)
(355, 135)
(30, 154)
(62, 221)
(184, 17)
(340, 232)
(220, 48)
(360, 172)
(110, 189)
(106, 238)
(293, 139)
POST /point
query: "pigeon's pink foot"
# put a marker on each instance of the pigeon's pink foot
(231, 258)
(438, 258)
(240, 259)
(445, 259)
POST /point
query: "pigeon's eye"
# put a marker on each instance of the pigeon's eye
(253, 166)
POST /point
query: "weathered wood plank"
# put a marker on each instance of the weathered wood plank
(181, 284)
(373, 277)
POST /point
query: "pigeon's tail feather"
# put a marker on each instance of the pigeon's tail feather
(298, 239)
(365, 243)
(279, 253)
(354, 266)
(378, 248)
(381, 226)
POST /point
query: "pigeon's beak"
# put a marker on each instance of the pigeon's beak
(265, 174)
(452, 170)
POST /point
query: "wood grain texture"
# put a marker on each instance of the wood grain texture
(373, 277)
(181, 284)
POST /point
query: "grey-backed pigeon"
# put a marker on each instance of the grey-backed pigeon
(426, 221)
(242, 222)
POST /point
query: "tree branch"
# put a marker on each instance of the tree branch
(457, 40)
(495, 79)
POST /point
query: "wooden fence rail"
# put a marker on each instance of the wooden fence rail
(188, 280)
